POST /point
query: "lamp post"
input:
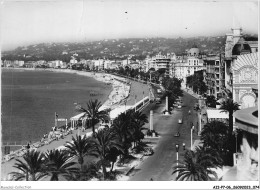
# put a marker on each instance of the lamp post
(177, 157)
(135, 103)
(191, 130)
(27, 174)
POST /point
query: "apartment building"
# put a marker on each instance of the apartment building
(215, 77)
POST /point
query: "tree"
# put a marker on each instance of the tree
(230, 107)
(58, 164)
(196, 81)
(81, 147)
(139, 120)
(214, 136)
(93, 113)
(196, 166)
(122, 126)
(172, 89)
(32, 168)
(211, 101)
(105, 141)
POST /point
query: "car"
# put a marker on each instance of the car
(179, 106)
(158, 100)
(180, 121)
(177, 134)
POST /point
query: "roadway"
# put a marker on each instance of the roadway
(159, 165)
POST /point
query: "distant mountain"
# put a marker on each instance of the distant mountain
(137, 48)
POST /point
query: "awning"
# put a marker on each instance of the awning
(78, 117)
(117, 111)
(217, 114)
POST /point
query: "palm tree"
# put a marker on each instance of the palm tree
(81, 147)
(93, 113)
(106, 140)
(122, 126)
(58, 164)
(138, 119)
(196, 166)
(214, 135)
(32, 168)
(230, 106)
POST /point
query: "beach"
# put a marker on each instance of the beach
(120, 93)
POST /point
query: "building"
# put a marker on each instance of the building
(245, 79)
(160, 62)
(235, 46)
(215, 77)
(187, 65)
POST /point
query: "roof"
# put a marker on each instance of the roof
(216, 114)
(117, 111)
(247, 119)
(250, 59)
(77, 117)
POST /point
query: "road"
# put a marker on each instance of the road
(159, 165)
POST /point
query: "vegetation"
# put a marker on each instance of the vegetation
(32, 168)
(196, 166)
(196, 82)
(230, 107)
(93, 113)
(81, 147)
(58, 163)
(111, 49)
(106, 140)
(214, 136)
(211, 101)
(172, 89)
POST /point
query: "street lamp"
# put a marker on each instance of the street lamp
(191, 130)
(183, 145)
(177, 157)
(27, 174)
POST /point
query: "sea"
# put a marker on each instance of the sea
(30, 98)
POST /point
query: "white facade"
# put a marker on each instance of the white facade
(185, 67)
(73, 61)
(245, 78)
(160, 62)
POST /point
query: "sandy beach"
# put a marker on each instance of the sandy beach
(121, 92)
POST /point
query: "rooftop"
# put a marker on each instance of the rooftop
(247, 119)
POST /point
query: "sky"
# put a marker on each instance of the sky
(25, 22)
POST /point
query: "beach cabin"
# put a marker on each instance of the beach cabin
(77, 118)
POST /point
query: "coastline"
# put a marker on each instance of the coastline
(118, 94)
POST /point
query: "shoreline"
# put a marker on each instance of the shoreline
(118, 93)
(114, 99)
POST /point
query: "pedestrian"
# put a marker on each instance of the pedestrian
(151, 179)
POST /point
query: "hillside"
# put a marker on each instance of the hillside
(137, 48)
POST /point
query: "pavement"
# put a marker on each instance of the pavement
(159, 166)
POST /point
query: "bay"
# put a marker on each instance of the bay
(31, 98)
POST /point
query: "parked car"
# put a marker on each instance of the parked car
(180, 121)
(177, 134)
(158, 100)
(179, 106)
